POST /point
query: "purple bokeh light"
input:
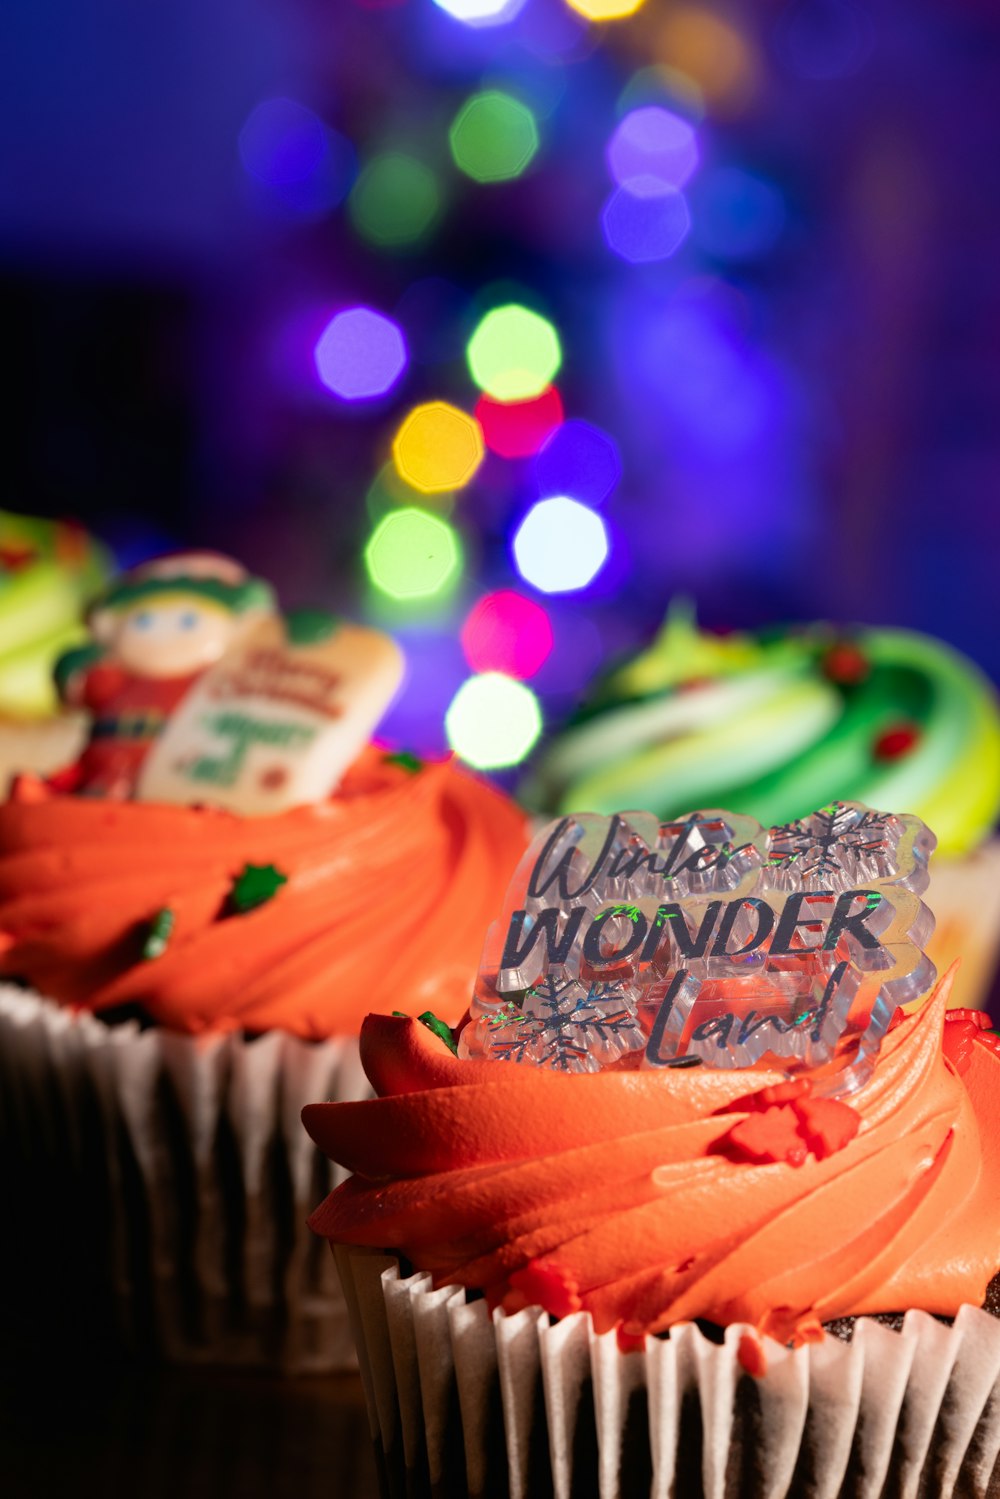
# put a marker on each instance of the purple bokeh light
(645, 220)
(578, 460)
(360, 355)
(653, 142)
(282, 142)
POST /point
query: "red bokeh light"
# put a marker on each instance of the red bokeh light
(517, 429)
(507, 632)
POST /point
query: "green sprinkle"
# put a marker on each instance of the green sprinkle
(632, 912)
(406, 759)
(442, 1031)
(158, 935)
(255, 885)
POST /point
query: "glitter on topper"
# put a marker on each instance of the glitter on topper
(708, 941)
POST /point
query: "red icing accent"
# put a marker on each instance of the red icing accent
(752, 1356)
(791, 1131)
(548, 1286)
(764, 1098)
(629, 1340)
(898, 1016)
(845, 663)
(896, 741)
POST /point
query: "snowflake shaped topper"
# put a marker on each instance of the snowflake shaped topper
(708, 940)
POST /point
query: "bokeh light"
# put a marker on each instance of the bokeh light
(282, 142)
(516, 429)
(605, 10)
(360, 354)
(653, 142)
(493, 137)
(395, 201)
(737, 215)
(560, 545)
(412, 554)
(514, 353)
(708, 48)
(506, 632)
(824, 39)
(481, 12)
(493, 721)
(578, 460)
(438, 447)
(644, 220)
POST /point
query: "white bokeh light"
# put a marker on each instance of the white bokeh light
(560, 545)
(493, 721)
(481, 12)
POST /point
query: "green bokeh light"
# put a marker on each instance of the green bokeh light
(493, 721)
(395, 200)
(413, 554)
(514, 353)
(493, 137)
(389, 490)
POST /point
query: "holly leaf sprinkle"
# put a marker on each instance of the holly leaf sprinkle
(406, 759)
(158, 934)
(255, 885)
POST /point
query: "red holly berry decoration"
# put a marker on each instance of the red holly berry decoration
(845, 663)
(895, 741)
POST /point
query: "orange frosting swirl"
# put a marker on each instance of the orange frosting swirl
(390, 885)
(610, 1192)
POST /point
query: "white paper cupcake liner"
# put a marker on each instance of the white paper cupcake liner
(964, 895)
(179, 1176)
(461, 1403)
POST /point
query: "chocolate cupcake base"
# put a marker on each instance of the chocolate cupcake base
(462, 1403)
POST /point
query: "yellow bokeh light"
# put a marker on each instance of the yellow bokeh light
(706, 47)
(605, 10)
(438, 448)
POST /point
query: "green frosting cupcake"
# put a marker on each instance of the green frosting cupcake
(49, 572)
(777, 724)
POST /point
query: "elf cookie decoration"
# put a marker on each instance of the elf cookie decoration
(708, 941)
(202, 694)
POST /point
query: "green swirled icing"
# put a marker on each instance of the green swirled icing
(762, 725)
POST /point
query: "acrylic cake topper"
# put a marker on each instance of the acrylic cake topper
(201, 693)
(708, 941)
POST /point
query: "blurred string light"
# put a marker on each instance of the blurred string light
(506, 632)
(481, 12)
(709, 48)
(395, 201)
(305, 165)
(644, 220)
(605, 10)
(438, 447)
(659, 84)
(413, 554)
(561, 545)
(653, 142)
(517, 429)
(514, 353)
(360, 355)
(493, 137)
(738, 215)
(389, 490)
(578, 460)
(493, 721)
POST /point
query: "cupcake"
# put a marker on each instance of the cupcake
(632, 1235)
(49, 572)
(774, 724)
(194, 918)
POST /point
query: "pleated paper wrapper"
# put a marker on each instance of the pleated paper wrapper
(964, 895)
(462, 1403)
(179, 1177)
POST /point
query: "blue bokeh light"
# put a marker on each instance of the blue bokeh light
(737, 215)
(578, 460)
(644, 220)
